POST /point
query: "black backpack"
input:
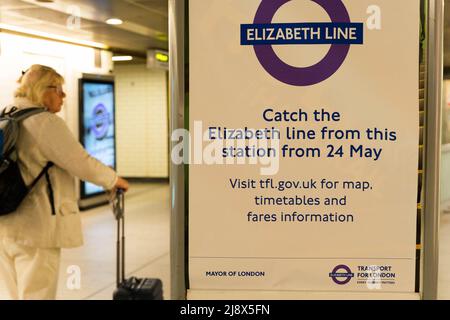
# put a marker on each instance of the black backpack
(12, 186)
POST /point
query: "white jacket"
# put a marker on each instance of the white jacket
(45, 137)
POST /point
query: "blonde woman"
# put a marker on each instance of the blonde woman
(31, 238)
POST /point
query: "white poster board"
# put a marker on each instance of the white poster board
(328, 200)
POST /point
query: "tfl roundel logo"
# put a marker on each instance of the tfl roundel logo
(100, 121)
(340, 34)
(341, 274)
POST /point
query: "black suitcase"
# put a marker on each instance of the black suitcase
(132, 288)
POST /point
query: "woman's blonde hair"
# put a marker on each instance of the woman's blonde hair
(35, 81)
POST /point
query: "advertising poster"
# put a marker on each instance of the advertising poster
(98, 123)
(304, 128)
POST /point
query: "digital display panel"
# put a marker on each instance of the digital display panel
(97, 126)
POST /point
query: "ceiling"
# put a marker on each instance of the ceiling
(145, 22)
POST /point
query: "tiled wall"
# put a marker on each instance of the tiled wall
(17, 53)
(142, 121)
(141, 96)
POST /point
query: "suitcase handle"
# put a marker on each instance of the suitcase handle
(118, 204)
(119, 213)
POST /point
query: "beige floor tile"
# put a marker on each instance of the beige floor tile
(147, 244)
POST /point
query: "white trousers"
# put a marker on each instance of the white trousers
(28, 273)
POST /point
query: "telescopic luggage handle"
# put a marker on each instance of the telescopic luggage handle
(119, 204)
(119, 209)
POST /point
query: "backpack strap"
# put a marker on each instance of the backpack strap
(49, 183)
(50, 187)
(24, 113)
(17, 115)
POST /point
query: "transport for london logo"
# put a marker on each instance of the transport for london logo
(341, 274)
(340, 34)
(100, 121)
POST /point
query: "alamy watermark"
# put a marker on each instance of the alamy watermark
(222, 146)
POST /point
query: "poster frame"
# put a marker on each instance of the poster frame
(101, 80)
(179, 75)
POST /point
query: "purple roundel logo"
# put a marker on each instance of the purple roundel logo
(341, 274)
(263, 34)
(100, 121)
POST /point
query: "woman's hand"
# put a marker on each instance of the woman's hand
(122, 184)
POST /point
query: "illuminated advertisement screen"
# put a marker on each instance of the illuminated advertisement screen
(97, 126)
